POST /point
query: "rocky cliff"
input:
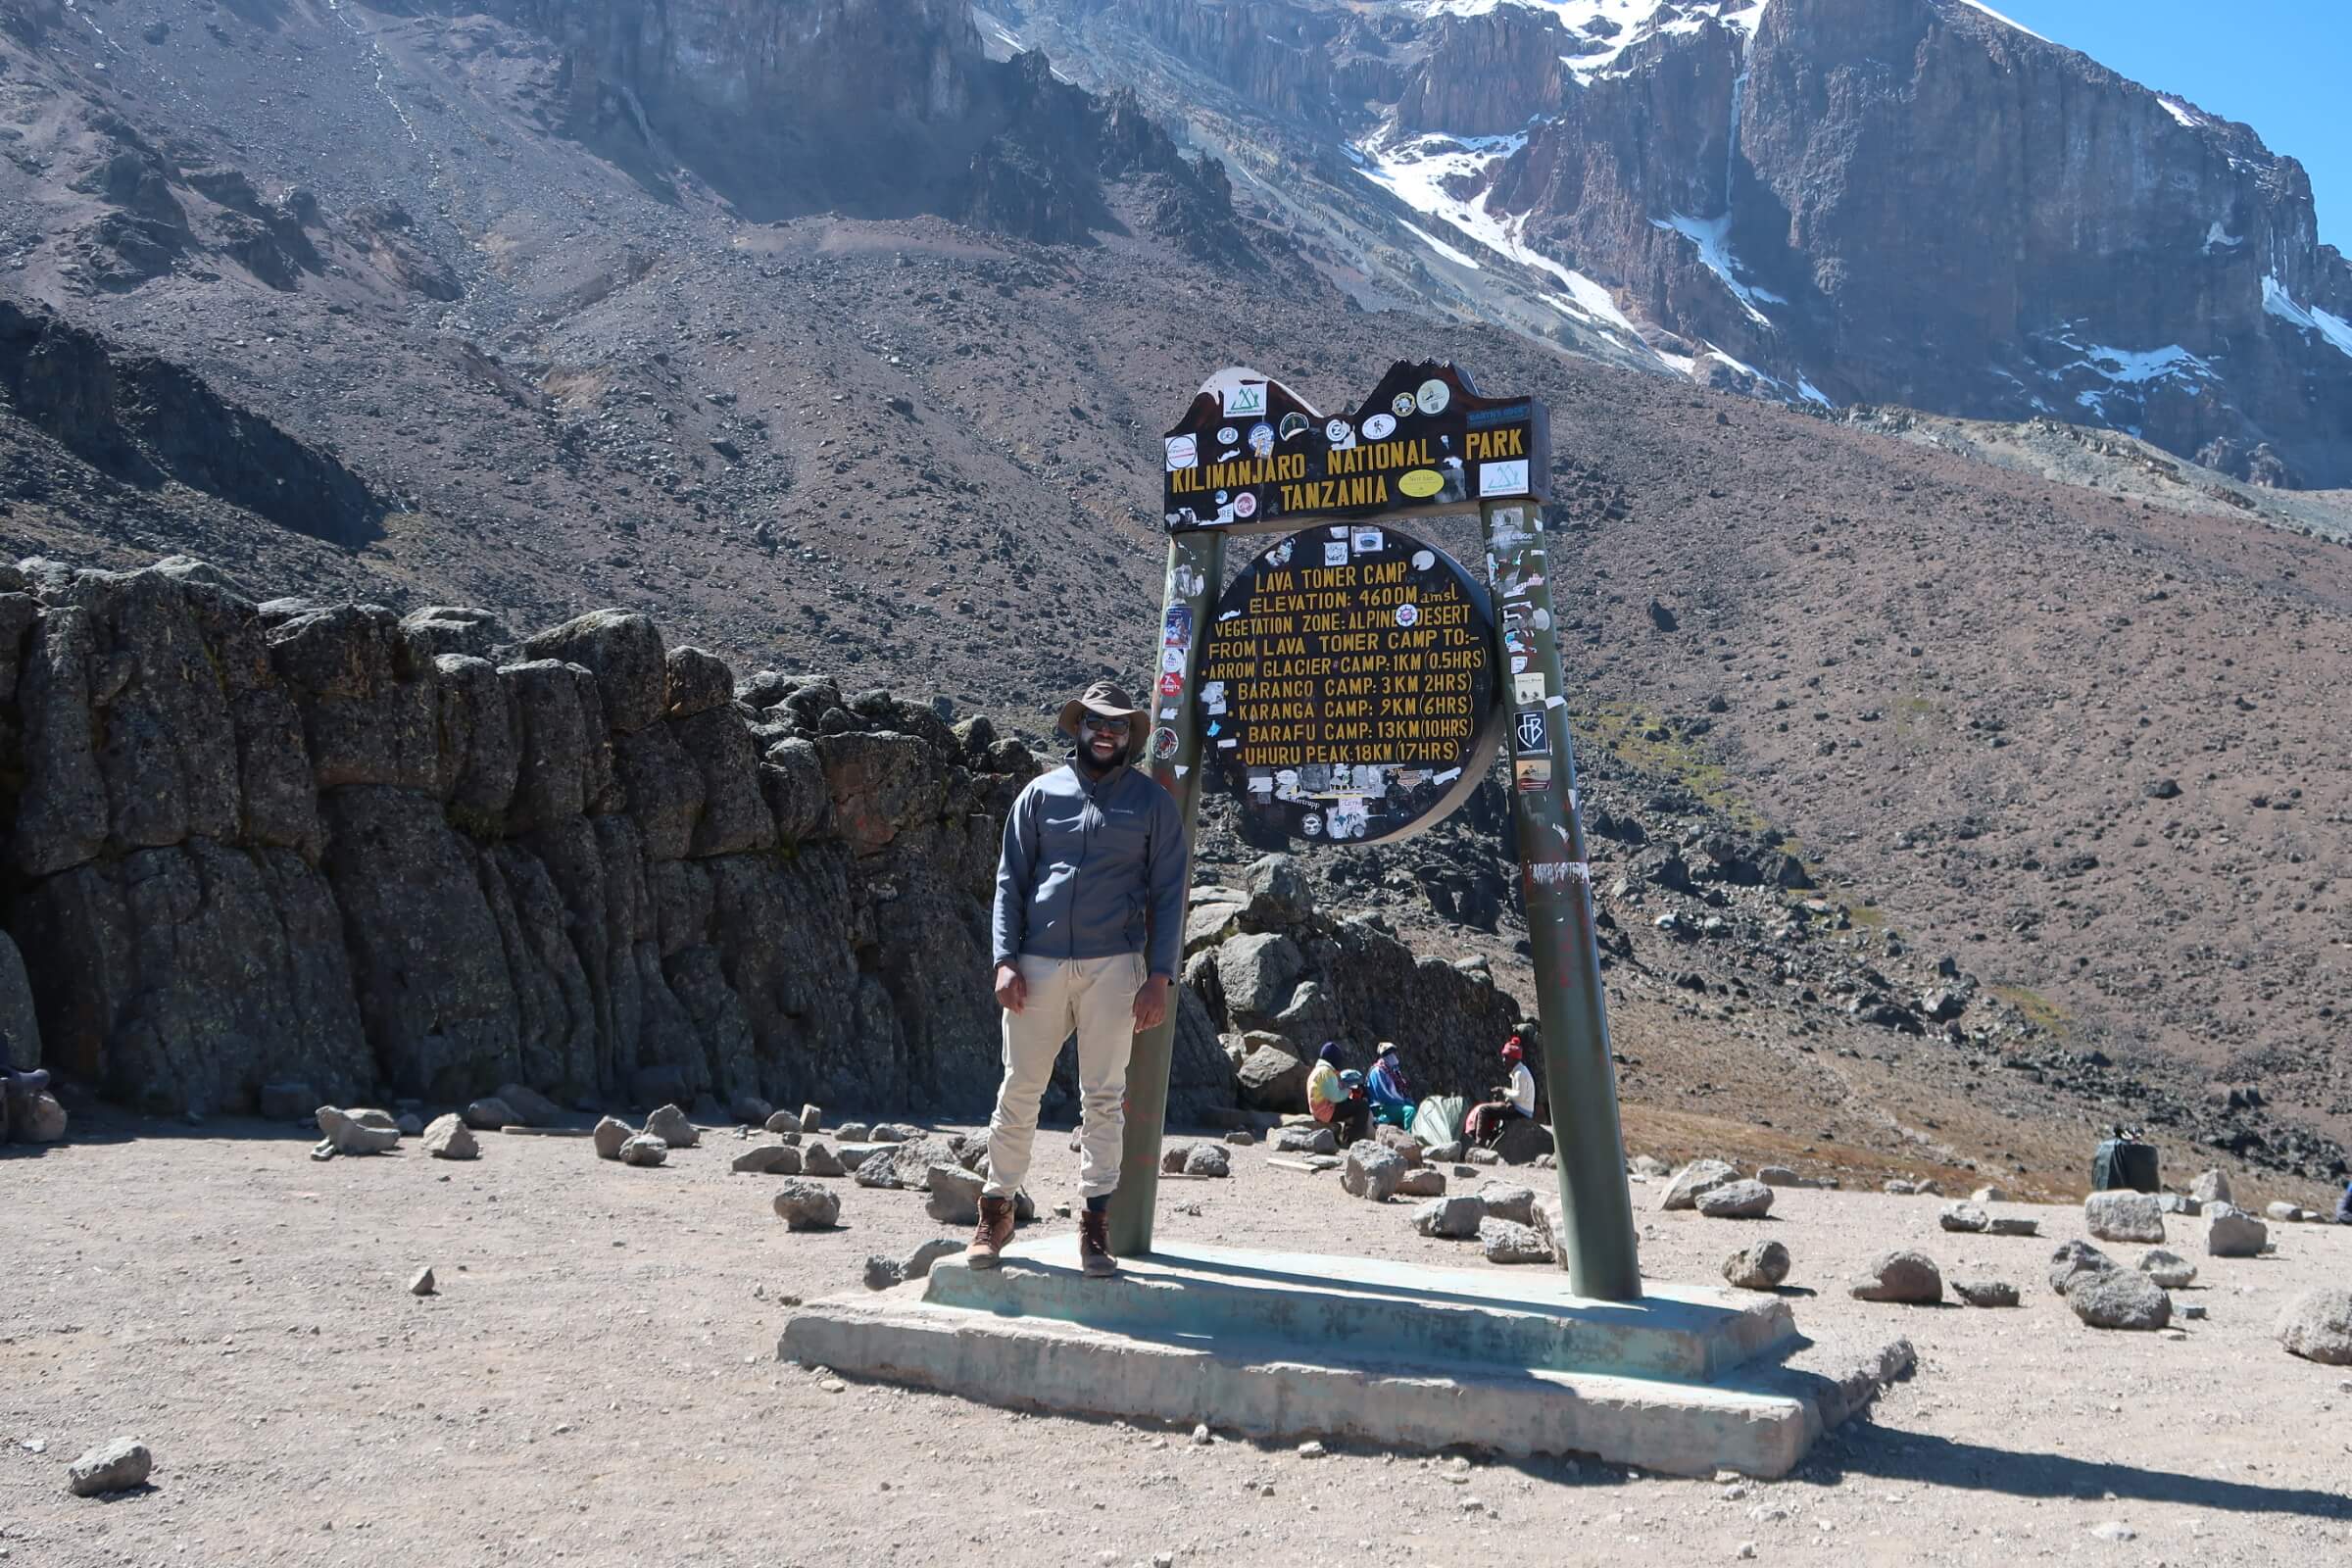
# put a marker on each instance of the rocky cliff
(1837, 201)
(382, 856)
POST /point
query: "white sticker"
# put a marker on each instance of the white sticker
(1244, 398)
(1335, 555)
(1244, 505)
(1379, 428)
(1502, 478)
(1227, 435)
(1423, 560)
(1407, 613)
(1184, 452)
(1171, 659)
(1433, 396)
(1527, 688)
(1340, 434)
(1369, 541)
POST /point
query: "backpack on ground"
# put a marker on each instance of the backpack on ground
(2124, 1163)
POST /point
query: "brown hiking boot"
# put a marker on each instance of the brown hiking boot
(1094, 1246)
(991, 1233)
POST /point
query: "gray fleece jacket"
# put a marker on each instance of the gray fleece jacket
(1091, 869)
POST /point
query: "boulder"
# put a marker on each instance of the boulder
(1985, 1292)
(1524, 1141)
(818, 1159)
(2012, 1225)
(1208, 1159)
(489, 1114)
(954, 1195)
(1909, 1277)
(1509, 1242)
(918, 1262)
(871, 1165)
(783, 1121)
(1371, 1172)
(2317, 1325)
(1305, 1139)
(1740, 1199)
(1508, 1201)
(643, 1148)
(669, 1124)
(2232, 1232)
(2123, 1216)
(2169, 1270)
(1456, 1218)
(623, 651)
(1779, 1176)
(2211, 1187)
(1422, 1183)
(1280, 894)
(1699, 1176)
(1257, 973)
(1270, 1078)
(115, 1466)
(1757, 1267)
(807, 1205)
(449, 1137)
(1174, 1153)
(349, 1136)
(2074, 1261)
(2119, 1298)
(810, 1118)
(39, 1120)
(610, 1133)
(531, 1109)
(1407, 1146)
(374, 1118)
(881, 1273)
(1963, 1217)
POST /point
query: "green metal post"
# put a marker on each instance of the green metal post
(1557, 881)
(1196, 564)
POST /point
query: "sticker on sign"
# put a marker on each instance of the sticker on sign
(1502, 478)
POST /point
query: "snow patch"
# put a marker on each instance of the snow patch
(1978, 4)
(2181, 111)
(2217, 239)
(1633, 20)
(1458, 258)
(1812, 393)
(2311, 317)
(1712, 236)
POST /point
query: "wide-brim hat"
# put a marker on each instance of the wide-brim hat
(1107, 700)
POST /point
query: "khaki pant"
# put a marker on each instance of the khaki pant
(1095, 998)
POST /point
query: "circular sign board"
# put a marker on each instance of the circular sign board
(1348, 689)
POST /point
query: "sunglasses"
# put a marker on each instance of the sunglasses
(1105, 726)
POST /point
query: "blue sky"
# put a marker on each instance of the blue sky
(2281, 66)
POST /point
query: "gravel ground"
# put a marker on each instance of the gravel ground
(596, 1382)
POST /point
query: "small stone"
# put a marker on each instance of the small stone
(812, 1119)
(1740, 1199)
(854, 1132)
(1985, 1292)
(1699, 1176)
(610, 1133)
(643, 1149)
(1508, 1242)
(2179, 1204)
(1208, 1159)
(1241, 1138)
(1989, 1195)
(1172, 1155)
(2075, 1260)
(1508, 1201)
(345, 1134)
(2012, 1225)
(115, 1466)
(449, 1137)
(818, 1159)
(2168, 1269)
(2114, 1530)
(423, 1284)
(1310, 1449)
(2232, 1232)
(1427, 1182)
(2317, 1325)
(2194, 1312)
(671, 1126)
(881, 1273)
(1760, 1266)
(2123, 1216)
(1902, 1276)
(1371, 1172)
(767, 1159)
(1963, 1217)
(832, 1385)
(954, 1195)
(1746, 1550)
(1456, 1217)
(489, 1114)
(1203, 1437)
(1305, 1141)
(2119, 1298)
(1779, 1176)
(807, 1205)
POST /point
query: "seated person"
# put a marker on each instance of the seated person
(1485, 1123)
(1389, 1091)
(1345, 1111)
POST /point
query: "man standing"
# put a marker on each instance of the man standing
(1089, 889)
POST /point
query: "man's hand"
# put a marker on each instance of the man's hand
(1151, 1002)
(1012, 992)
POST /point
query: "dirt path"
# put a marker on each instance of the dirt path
(597, 1383)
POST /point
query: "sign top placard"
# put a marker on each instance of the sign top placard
(1250, 454)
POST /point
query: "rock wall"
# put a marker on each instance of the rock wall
(244, 844)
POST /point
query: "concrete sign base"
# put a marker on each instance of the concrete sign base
(1688, 1381)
